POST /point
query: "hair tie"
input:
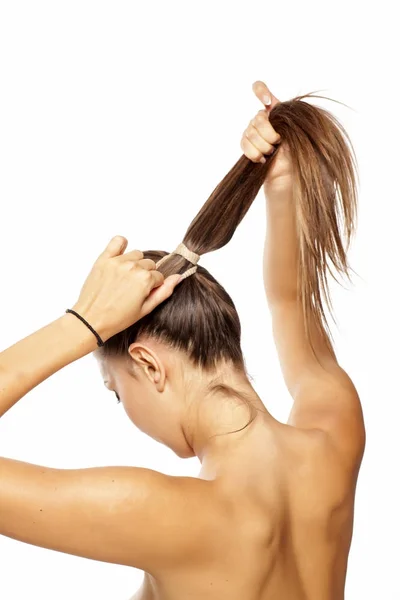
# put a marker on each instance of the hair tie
(99, 340)
(186, 253)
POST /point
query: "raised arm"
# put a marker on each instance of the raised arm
(282, 288)
(298, 241)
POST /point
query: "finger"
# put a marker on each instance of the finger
(264, 128)
(264, 94)
(153, 277)
(159, 294)
(253, 153)
(258, 142)
(147, 263)
(115, 247)
(131, 255)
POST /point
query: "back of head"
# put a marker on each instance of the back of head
(200, 318)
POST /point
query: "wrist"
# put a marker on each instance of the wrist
(79, 316)
(94, 320)
(79, 333)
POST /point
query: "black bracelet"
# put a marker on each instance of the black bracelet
(99, 340)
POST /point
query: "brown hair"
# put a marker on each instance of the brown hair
(200, 318)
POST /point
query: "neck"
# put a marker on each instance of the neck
(223, 425)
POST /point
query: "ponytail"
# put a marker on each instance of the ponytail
(200, 318)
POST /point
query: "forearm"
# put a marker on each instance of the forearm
(281, 249)
(35, 358)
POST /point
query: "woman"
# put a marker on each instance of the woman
(270, 514)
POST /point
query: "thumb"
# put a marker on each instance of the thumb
(159, 294)
(264, 94)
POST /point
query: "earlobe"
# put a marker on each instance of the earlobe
(160, 380)
(154, 375)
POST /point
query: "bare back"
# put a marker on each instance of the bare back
(286, 520)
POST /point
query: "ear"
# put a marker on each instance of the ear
(146, 360)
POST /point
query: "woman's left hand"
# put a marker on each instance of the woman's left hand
(121, 289)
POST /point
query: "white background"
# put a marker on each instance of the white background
(121, 118)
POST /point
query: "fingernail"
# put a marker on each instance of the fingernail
(267, 100)
(263, 160)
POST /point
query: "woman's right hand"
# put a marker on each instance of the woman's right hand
(260, 138)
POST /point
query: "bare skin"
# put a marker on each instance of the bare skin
(279, 497)
(285, 523)
(270, 515)
(286, 516)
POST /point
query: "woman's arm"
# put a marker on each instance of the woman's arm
(124, 515)
(119, 290)
(281, 249)
(280, 267)
(35, 358)
(324, 395)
